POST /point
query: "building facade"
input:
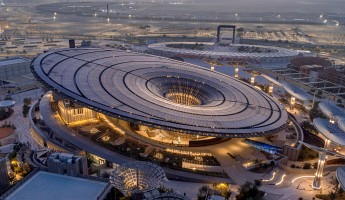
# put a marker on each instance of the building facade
(14, 67)
(64, 163)
(4, 180)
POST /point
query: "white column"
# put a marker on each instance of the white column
(252, 80)
(270, 89)
(236, 72)
(320, 166)
(292, 102)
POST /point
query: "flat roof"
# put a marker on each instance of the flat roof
(132, 86)
(45, 185)
(12, 61)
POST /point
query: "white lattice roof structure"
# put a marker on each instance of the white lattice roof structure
(137, 177)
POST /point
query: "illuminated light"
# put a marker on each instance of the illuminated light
(112, 125)
(273, 175)
(212, 68)
(281, 180)
(252, 80)
(295, 179)
(321, 16)
(325, 21)
(293, 101)
(236, 72)
(270, 89)
(108, 20)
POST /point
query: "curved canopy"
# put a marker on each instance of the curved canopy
(6, 103)
(323, 150)
(297, 92)
(272, 80)
(160, 92)
(331, 110)
(340, 174)
(341, 124)
(330, 131)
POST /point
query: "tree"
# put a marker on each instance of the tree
(332, 195)
(306, 166)
(203, 191)
(250, 190)
(26, 109)
(27, 101)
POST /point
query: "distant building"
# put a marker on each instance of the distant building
(311, 71)
(335, 75)
(4, 180)
(69, 164)
(14, 67)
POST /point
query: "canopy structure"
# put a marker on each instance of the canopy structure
(272, 80)
(159, 92)
(6, 103)
(330, 131)
(341, 124)
(297, 92)
(331, 110)
(340, 174)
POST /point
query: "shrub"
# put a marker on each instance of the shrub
(307, 166)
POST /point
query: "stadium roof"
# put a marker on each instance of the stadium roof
(330, 131)
(331, 110)
(276, 52)
(45, 185)
(134, 87)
